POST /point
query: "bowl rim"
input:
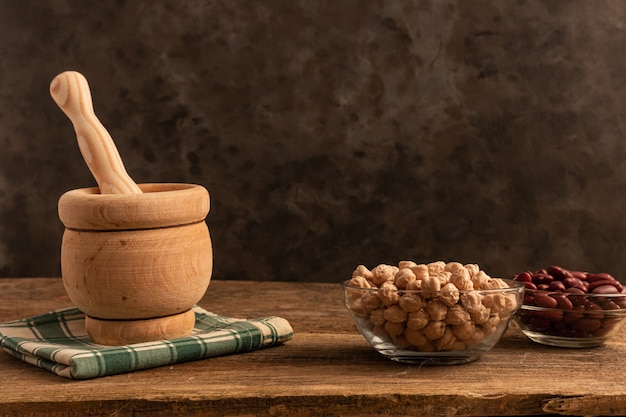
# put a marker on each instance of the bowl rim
(514, 287)
(530, 307)
(592, 295)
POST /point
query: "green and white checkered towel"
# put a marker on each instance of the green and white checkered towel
(57, 341)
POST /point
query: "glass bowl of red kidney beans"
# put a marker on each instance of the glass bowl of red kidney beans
(570, 308)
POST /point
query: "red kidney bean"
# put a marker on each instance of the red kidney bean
(600, 277)
(593, 310)
(578, 299)
(554, 316)
(539, 324)
(558, 273)
(542, 278)
(578, 274)
(611, 322)
(529, 285)
(590, 305)
(609, 305)
(564, 332)
(604, 289)
(596, 284)
(556, 286)
(577, 333)
(571, 282)
(572, 316)
(544, 300)
(562, 301)
(524, 277)
(586, 325)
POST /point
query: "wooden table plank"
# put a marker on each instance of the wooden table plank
(326, 369)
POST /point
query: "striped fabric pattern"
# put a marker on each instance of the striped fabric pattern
(57, 341)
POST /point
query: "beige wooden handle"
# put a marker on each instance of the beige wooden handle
(70, 91)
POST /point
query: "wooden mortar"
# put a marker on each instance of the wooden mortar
(134, 258)
(135, 264)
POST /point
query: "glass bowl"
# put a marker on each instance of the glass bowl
(568, 308)
(586, 320)
(431, 327)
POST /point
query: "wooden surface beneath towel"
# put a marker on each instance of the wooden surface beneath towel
(327, 369)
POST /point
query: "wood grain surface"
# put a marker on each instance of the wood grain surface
(327, 369)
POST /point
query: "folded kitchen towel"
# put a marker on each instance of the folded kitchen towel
(57, 341)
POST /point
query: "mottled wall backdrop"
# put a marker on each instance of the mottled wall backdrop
(332, 133)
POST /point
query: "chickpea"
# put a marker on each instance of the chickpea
(495, 302)
(477, 336)
(436, 267)
(377, 317)
(472, 269)
(446, 341)
(394, 329)
(436, 310)
(465, 330)
(430, 287)
(357, 308)
(406, 264)
(388, 293)
(490, 326)
(471, 300)
(403, 277)
(411, 302)
(370, 301)
(415, 337)
(480, 280)
(417, 320)
(443, 277)
(359, 281)
(497, 283)
(457, 315)
(362, 271)
(401, 341)
(414, 285)
(449, 294)
(461, 279)
(383, 273)
(395, 314)
(454, 266)
(480, 314)
(420, 271)
(434, 330)
(459, 345)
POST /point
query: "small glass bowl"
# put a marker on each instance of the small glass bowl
(588, 320)
(440, 331)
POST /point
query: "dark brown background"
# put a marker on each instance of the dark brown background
(332, 133)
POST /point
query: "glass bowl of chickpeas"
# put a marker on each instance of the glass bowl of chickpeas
(440, 313)
(572, 309)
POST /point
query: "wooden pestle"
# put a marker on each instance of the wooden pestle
(70, 91)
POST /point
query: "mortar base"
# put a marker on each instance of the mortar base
(126, 332)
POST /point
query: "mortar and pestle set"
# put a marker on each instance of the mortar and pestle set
(135, 258)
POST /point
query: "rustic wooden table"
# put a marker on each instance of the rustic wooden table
(327, 369)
